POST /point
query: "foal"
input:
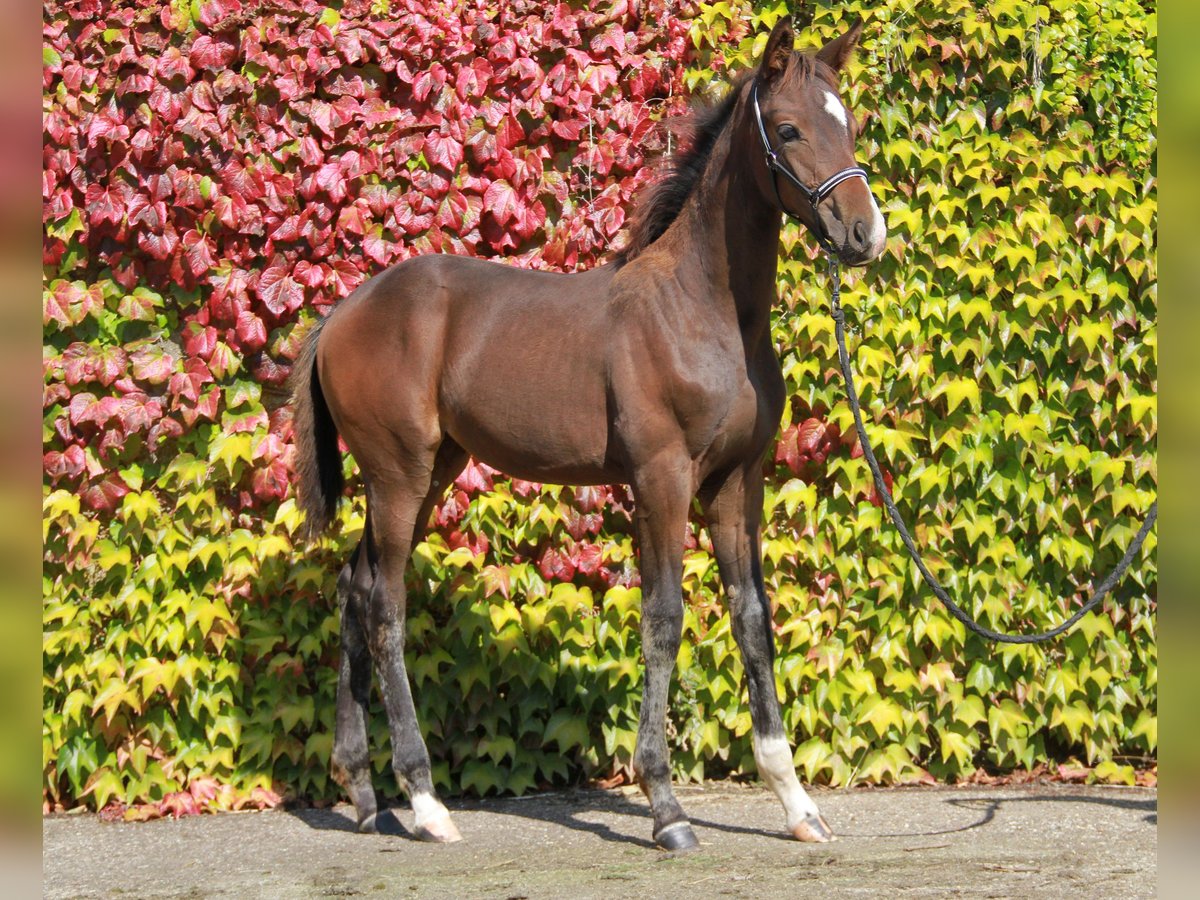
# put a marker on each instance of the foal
(656, 370)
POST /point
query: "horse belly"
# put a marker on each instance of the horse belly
(545, 437)
(537, 412)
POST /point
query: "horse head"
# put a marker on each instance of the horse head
(807, 137)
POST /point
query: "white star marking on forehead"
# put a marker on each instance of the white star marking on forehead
(834, 107)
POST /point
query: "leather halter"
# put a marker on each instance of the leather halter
(813, 195)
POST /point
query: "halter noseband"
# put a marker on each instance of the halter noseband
(814, 196)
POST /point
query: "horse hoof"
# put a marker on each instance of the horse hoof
(814, 830)
(439, 831)
(367, 825)
(677, 837)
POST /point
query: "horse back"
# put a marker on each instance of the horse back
(510, 363)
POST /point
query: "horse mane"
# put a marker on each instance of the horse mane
(661, 201)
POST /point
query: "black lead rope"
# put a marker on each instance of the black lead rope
(1100, 592)
(815, 196)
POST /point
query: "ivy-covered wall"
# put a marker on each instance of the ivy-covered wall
(217, 174)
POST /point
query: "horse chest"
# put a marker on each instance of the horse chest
(729, 407)
(751, 417)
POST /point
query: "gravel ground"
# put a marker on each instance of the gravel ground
(1028, 841)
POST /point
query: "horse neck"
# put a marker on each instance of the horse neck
(732, 227)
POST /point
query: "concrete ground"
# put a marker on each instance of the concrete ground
(1029, 841)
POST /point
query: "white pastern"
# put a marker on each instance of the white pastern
(833, 106)
(774, 759)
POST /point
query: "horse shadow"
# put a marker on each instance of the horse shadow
(573, 809)
(567, 809)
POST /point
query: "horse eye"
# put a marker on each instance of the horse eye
(788, 132)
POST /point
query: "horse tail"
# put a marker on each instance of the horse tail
(318, 462)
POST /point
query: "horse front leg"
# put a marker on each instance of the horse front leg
(734, 512)
(662, 494)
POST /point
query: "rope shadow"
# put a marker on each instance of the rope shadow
(991, 806)
(1149, 804)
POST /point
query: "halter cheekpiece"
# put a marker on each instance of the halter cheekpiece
(813, 195)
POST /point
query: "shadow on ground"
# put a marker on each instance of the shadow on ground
(572, 809)
(567, 809)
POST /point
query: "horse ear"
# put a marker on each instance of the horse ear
(778, 55)
(837, 52)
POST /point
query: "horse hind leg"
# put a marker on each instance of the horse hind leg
(351, 758)
(399, 511)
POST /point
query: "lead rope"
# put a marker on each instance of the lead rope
(1105, 586)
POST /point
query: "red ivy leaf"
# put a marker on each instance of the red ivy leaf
(270, 482)
(482, 142)
(210, 53)
(198, 251)
(104, 496)
(555, 566)
(68, 463)
(875, 497)
(214, 12)
(159, 246)
(199, 340)
(172, 64)
(786, 451)
(501, 201)
(568, 129)
(251, 332)
(229, 210)
(346, 276)
(137, 413)
(442, 150)
(376, 246)
(350, 220)
(279, 291)
(188, 383)
(222, 360)
(70, 302)
(331, 180)
(529, 218)
(106, 204)
(809, 436)
(309, 275)
(453, 509)
(587, 558)
(179, 803)
(82, 362)
(287, 230)
(474, 478)
(590, 498)
(206, 407)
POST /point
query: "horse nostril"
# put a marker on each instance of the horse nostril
(860, 232)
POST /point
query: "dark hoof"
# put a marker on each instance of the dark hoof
(814, 830)
(676, 837)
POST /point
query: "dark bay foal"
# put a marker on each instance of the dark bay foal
(657, 371)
